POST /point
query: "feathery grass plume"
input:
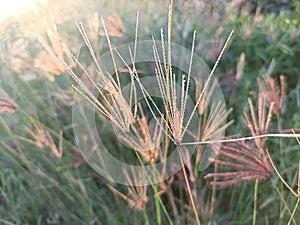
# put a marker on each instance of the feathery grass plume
(113, 23)
(45, 60)
(174, 97)
(143, 138)
(261, 121)
(137, 195)
(114, 26)
(247, 162)
(48, 64)
(15, 52)
(42, 139)
(165, 186)
(167, 85)
(7, 105)
(274, 92)
(212, 118)
(109, 101)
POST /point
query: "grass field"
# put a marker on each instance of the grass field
(53, 165)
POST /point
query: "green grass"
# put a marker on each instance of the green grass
(38, 188)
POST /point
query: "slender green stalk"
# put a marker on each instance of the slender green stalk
(281, 208)
(282, 198)
(189, 190)
(294, 211)
(157, 197)
(280, 141)
(255, 202)
(164, 208)
(173, 205)
(158, 216)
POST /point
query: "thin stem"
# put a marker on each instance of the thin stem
(282, 198)
(280, 177)
(213, 197)
(281, 190)
(146, 95)
(173, 205)
(155, 190)
(255, 202)
(294, 211)
(242, 139)
(165, 210)
(171, 11)
(158, 216)
(189, 189)
(207, 82)
(281, 166)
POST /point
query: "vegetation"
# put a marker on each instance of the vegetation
(252, 134)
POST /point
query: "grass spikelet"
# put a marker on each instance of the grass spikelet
(7, 105)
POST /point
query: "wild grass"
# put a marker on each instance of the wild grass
(44, 179)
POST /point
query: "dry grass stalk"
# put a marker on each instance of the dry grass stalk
(113, 23)
(248, 164)
(137, 195)
(281, 178)
(260, 122)
(45, 61)
(7, 105)
(48, 64)
(119, 107)
(298, 190)
(43, 139)
(112, 104)
(270, 88)
(114, 26)
(212, 118)
(206, 86)
(204, 101)
(164, 187)
(167, 85)
(144, 139)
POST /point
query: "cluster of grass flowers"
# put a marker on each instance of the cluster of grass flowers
(251, 163)
(153, 129)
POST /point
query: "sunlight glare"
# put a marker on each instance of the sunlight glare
(13, 7)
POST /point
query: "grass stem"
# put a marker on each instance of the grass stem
(189, 190)
(255, 202)
(157, 196)
(294, 211)
(281, 208)
(158, 216)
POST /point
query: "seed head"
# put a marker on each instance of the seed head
(7, 105)
(246, 163)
